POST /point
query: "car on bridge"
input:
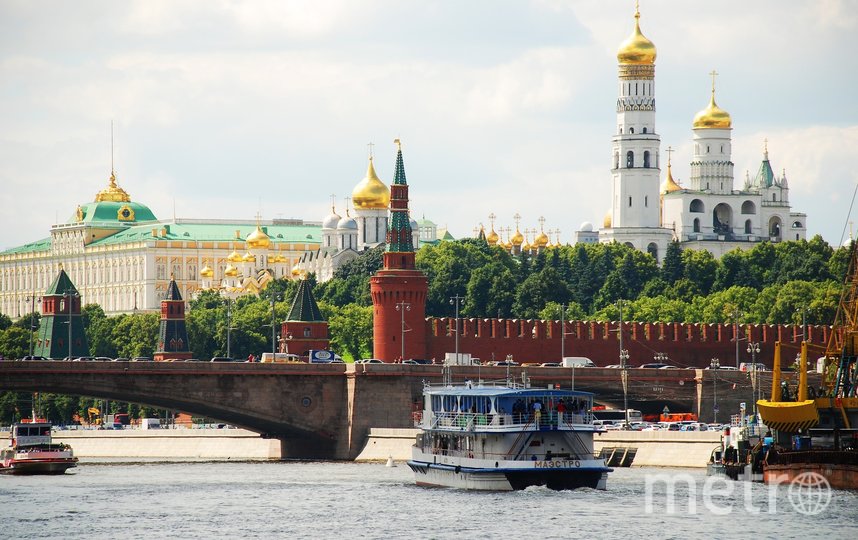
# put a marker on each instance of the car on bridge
(222, 359)
(369, 361)
(654, 365)
(27, 358)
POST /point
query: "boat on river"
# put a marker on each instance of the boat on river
(506, 437)
(32, 451)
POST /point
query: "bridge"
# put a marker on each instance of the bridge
(324, 411)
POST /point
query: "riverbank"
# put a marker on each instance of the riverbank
(651, 448)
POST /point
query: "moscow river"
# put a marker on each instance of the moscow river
(236, 500)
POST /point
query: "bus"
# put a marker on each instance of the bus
(616, 416)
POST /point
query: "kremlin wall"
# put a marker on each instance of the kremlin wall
(685, 344)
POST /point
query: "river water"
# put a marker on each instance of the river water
(236, 500)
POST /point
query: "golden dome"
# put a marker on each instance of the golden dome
(670, 185)
(371, 193)
(492, 237)
(541, 240)
(249, 257)
(712, 117)
(517, 238)
(207, 272)
(234, 257)
(606, 223)
(112, 192)
(230, 271)
(258, 239)
(636, 49)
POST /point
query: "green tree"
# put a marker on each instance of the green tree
(537, 290)
(673, 268)
(734, 270)
(700, 269)
(136, 335)
(14, 342)
(573, 312)
(351, 331)
(5, 321)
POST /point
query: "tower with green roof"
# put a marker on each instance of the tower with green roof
(305, 328)
(399, 290)
(61, 328)
(173, 333)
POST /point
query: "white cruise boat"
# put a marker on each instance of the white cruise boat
(497, 438)
(32, 451)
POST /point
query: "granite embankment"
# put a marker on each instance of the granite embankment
(653, 448)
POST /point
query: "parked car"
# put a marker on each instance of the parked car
(34, 358)
(654, 365)
(103, 359)
(121, 359)
(550, 364)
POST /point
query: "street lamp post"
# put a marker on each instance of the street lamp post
(32, 300)
(229, 327)
(562, 333)
(754, 349)
(624, 357)
(715, 364)
(453, 300)
(736, 315)
(274, 298)
(402, 307)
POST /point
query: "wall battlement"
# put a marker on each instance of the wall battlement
(685, 344)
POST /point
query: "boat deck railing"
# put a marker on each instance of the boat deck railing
(467, 421)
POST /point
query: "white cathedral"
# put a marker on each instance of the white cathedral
(707, 214)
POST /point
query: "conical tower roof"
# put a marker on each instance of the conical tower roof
(304, 307)
(62, 284)
(172, 291)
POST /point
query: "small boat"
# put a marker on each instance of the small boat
(506, 437)
(32, 451)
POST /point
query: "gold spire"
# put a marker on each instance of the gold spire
(713, 116)
(112, 192)
(669, 185)
(636, 49)
(492, 237)
(371, 193)
(607, 222)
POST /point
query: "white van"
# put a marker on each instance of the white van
(577, 361)
(150, 423)
(268, 357)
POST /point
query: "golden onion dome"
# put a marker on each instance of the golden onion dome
(541, 240)
(234, 257)
(371, 193)
(492, 237)
(670, 185)
(258, 239)
(230, 271)
(517, 238)
(112, 192)
(207, 272)
(712, 117)
(636, 49)
(606, 223)
(249, 257)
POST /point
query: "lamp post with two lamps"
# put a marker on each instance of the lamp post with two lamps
(455, 300)
(754, 350)
(274, 298)
(715, 364)
(624, 364)
(402, 307)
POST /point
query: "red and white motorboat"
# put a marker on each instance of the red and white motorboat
(32, 451)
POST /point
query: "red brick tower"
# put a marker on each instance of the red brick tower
(305, 328)
(173, 334)
(399, 289)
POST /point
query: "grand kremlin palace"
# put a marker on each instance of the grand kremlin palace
(120, 256)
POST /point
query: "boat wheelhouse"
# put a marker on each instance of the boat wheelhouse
(506, 438)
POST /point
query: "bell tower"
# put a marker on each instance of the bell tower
(399, 290)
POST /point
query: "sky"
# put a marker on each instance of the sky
(225, 109)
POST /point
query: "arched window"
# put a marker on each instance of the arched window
(652, 249)
(646, 159)
(630, 159)
(796, 225)
(644, 130)
(747, 226)
(774, 197)
(696, 206)
(696, 224)
(748, 207)
(631, 130)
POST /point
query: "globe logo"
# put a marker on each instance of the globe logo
(809, 493)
